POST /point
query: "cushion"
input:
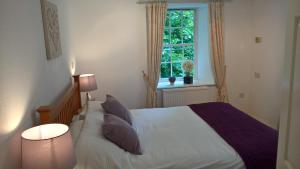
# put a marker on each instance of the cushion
(113, 106)
(121, 133)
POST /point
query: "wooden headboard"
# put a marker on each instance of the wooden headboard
(63, 110)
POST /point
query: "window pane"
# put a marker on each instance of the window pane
(165, 70)
(167, 36)
(178, 42)
(188, 18)
(175, 18)
(188, 35)
(177, 54)
(189, 53)
(176, 36)
(177, 70)
(167, 20)
(166, 55)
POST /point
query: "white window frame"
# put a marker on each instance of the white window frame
(195, 44)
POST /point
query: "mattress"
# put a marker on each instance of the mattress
(171, 138)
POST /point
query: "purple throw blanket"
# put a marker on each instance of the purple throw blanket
(255, 142)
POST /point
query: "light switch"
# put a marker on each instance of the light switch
(258, 39)
(242, 95)
(257, 75)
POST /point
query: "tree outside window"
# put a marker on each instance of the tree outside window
(178, 41)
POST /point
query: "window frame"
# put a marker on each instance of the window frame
(195, 44)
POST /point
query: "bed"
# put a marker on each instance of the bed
(185, 137)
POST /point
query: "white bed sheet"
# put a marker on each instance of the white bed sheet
(171, 138)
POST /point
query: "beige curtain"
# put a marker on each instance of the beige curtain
(156, 14)
(216, 13)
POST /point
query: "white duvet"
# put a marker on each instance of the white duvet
(171, 138)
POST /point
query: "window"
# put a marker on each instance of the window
(186, 37)
(179, 42)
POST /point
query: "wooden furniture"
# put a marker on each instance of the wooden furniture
(63, 110)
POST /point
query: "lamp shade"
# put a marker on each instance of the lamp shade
(47, 147)
(87, 82)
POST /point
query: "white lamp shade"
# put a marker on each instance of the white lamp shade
(87, 83)
(48, 147)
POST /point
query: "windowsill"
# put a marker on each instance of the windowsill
(180, 84)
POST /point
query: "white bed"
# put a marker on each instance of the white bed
(171, 138)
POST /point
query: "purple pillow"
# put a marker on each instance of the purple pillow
(113, 106)
(121, 133)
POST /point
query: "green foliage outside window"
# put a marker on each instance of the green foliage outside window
(178, 42)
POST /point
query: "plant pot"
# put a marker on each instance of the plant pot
(188, 80)
(172, 80)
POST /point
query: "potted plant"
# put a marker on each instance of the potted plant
(188, 67)
(172, 80)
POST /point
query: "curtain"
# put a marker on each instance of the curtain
(156, 14)
(216, 13)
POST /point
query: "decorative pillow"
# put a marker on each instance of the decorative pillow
(121, 133)
(113, 106)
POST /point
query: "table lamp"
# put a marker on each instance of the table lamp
(87, 83)
(47, 147)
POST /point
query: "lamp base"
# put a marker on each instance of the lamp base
(87, 98)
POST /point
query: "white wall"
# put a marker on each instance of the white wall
(205, 72)
(238, 51)
(269, 18)
(110, 41)
(28, 80)
(244, 20)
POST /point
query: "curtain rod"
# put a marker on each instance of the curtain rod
(176, 1)
(151, 1)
